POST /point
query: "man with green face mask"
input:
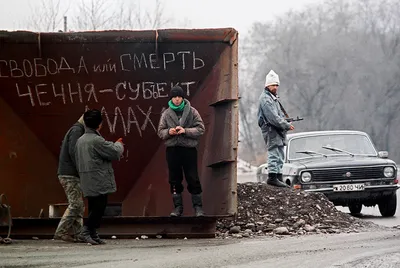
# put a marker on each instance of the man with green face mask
(181, 127)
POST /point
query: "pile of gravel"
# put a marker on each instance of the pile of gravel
(267, 210)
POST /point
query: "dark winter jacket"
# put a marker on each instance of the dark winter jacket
(66, 162)
(93, 156)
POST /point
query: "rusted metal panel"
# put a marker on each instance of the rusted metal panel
(121, 227)
(47, 81)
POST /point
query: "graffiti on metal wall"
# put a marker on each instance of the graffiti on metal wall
(131, 62)
(35, 80)
(47, 94)
(40, 67)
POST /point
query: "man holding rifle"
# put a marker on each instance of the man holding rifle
(273, 121)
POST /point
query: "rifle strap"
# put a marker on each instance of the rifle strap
(283, 109)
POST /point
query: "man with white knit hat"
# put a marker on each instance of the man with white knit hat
(271, 120)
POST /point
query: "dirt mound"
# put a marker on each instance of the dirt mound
(267, 210)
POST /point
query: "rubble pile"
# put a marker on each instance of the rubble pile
(268, 210)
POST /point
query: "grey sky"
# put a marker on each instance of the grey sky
(201, 13)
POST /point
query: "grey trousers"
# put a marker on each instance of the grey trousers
(275, 159)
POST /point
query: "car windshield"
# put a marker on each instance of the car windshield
(353, 143)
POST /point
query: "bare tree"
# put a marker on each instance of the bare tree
(134, 16)
(95, 15)
(339, 68)
(131, 15)
(47, 16)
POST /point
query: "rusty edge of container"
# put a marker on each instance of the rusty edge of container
(226, 35)
(226, 102)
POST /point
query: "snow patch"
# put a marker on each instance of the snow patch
(245, 168)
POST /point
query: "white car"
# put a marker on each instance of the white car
(343, 165)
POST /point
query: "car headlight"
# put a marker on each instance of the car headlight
(306, 177)
(388, 172)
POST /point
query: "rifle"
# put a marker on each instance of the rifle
(291, 119)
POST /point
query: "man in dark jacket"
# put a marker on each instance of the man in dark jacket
(93, 156)
(69, 179)
(181, 127)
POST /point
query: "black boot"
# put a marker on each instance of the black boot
(84, 236)
(95, 236)
(178, 204)
(279, 176)
(197, 205)
(273, 180)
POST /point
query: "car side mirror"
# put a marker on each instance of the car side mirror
(383, 154)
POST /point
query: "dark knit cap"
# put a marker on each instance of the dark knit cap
(92, 118)
(176, 91)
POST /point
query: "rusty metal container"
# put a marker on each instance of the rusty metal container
(47, 80)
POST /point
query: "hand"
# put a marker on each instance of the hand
(172, 131)
(291, 127)
(180, 130)
(120, 140)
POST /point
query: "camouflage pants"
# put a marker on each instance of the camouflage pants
(73, 215)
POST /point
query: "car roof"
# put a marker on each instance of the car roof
(324, 132)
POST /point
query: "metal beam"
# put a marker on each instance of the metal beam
(121, 227)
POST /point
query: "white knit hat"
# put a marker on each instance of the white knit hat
(271, 79)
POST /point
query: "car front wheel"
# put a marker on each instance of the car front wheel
(388, 205)
(355, 209)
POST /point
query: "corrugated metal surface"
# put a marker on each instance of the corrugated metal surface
(47, 80)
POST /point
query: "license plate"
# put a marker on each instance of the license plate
(348, 187)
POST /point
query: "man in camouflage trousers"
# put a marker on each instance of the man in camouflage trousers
(72, 220)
